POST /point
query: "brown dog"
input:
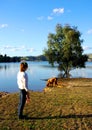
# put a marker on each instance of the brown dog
(51, 82)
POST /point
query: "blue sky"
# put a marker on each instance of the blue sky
(25, 24)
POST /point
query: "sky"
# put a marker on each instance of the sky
(26, 24)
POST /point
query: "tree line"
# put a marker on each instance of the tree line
(5, 58)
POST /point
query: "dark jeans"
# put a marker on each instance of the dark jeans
(22, 102)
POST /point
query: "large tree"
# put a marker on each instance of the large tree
(64, 47)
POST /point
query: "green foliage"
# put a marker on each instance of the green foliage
(6, 58)
(64, 47)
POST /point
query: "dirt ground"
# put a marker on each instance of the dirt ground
(71, 83)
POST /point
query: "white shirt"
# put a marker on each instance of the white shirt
(22, 80)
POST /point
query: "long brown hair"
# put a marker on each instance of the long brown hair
(23, 66)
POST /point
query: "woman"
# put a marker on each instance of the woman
(22, 80)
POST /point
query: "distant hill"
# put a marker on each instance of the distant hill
(43, 58)
(89, 57)
(34, 58)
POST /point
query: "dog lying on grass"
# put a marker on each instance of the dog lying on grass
(52, 82)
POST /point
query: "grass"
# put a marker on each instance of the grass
(65, 108)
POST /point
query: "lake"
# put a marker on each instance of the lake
(38, 72)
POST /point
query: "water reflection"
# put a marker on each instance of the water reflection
(4, 67)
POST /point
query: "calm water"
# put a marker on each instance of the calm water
(37, 73)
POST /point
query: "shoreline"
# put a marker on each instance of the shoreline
(61, 81)
(4, 94)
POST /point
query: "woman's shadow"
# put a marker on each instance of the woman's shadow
(59, 117)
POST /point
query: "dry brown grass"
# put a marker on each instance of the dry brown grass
(65, 108)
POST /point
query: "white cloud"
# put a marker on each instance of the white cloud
(86, 48)
(58, 10)
(3, 26)
(11, 48)
(16, 48)
(30, 50)
(49, 18)
(89, 31)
